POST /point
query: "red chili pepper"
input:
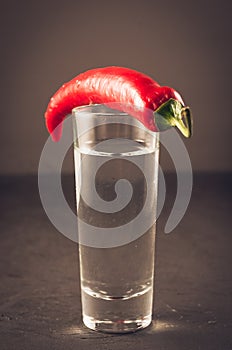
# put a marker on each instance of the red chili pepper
(157, 107)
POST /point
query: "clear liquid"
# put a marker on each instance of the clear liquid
(117, 282)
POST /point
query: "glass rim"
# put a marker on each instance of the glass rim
(98, 105)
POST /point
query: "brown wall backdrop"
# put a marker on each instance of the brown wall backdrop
(184, 44)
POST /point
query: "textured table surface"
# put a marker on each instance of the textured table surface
(40, 293)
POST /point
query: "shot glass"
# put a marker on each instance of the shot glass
(116, 172)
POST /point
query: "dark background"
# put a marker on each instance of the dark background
(184, 44)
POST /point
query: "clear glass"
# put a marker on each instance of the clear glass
(117, 272)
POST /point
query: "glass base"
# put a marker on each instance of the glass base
(119, 326)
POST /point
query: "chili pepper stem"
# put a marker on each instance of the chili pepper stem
(185, 124)
(172, 113)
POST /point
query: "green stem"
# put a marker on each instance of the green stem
(172, 113)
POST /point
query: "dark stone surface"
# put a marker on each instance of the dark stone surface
(40, 294)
